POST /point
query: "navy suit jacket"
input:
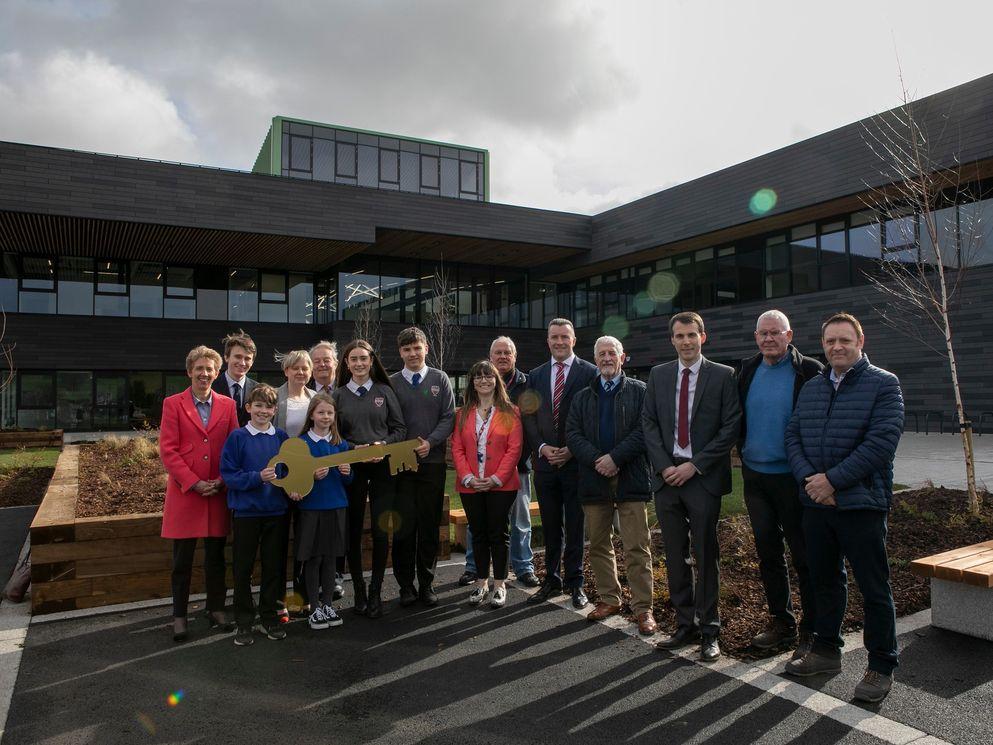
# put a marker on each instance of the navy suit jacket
(220, 385)
(536, 408)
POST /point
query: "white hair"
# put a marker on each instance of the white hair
(324, 344)
(507, 340)
(612, 341)
(777, 315)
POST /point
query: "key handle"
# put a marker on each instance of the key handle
(300, 464)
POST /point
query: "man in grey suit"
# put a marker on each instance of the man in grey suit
(691, 419)
(239, 354)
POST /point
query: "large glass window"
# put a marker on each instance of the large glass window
(865, 245)
(944, 224)
(110, 410)
(410, 172)
(36, 403)
(777, 266)
(358, 293)
(398, 291)
(323, 160)
(508, 292)
(273, 308)
(803, 258)
(900, 238)
(345, 162)
(74, 399)
(834, 257)
(180, 292)
(542, 302)
(704, 270)
(146, 289)
(76, 286)
(389, 168)
(111, 298)
(727, 276)
(212, 292)
(449, 177)
(301, 308)
(976, 229)
(8, 283)
(37, 293)
(368, 161)
(300, 153)
(145, 395)
(243, 295)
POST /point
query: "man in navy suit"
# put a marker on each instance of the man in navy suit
(239, 354)
(544, 411)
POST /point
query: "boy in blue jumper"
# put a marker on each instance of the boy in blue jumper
(259, 510)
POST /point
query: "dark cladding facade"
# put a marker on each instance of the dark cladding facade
(111, 268)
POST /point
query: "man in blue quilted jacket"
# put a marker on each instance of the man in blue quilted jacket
(841, 441)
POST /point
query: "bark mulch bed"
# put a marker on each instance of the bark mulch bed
(922, 522)
(120, 476)
(24, 485)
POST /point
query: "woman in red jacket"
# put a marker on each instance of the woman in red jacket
(195, 424)
(486, 446)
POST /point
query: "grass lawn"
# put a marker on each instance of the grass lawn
(28, 458)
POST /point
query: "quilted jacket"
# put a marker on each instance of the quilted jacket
(849, 434)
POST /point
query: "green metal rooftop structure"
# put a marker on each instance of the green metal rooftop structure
(344, 155)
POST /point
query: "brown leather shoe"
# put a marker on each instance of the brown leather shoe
(602, 611)
(646, 623)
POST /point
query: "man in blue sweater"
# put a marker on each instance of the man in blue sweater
(768, 386)
(841, 442)
(259, 509)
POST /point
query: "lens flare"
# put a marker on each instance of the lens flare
(175, 697)
(529, 402)
(663, 287)
(146, 722)
(643, 304)
(762, 201)
(616, 326)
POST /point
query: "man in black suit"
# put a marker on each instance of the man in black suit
(691, 420)
(239, 354)
(544, 411)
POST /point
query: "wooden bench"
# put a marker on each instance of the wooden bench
(961, 589)
(46, 438)
(461, 522)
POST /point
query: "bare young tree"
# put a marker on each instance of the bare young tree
(6, 354)
(924, 259)
(367, 324)
(441, 323)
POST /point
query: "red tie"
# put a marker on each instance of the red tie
(683, 426)
(557, 392)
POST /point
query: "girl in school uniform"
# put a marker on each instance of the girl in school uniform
(322, 522)
(368, 413)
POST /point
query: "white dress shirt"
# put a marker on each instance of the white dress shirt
(686, 452)
(354, 387)
(408, 374)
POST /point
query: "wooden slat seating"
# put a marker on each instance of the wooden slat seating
(94, 561)
(45, 438)
(961, 580)
(461, 522)
(971, 565)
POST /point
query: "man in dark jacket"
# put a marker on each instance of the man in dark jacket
(605, 437)
(768, 386)
(841, 442)
(544, 410)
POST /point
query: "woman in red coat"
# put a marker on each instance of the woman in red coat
(195, 424)
(486, 446)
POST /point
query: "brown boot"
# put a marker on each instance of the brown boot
(603, 611)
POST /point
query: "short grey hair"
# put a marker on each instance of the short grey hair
(289, 359)
(777, 315)
(612, 341)
(324, 344)
(507, 340)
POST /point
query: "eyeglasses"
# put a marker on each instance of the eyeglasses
(483, 376)
(769, 334)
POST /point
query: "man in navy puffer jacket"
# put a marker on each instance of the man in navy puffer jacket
(841, 442)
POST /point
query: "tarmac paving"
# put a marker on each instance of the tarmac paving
(14, 524)
(455, 673)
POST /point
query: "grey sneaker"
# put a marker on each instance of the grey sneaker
(873, 687)
(244, 638)
(805, 644)
(775, 634)
(813, 663)
(318, 620)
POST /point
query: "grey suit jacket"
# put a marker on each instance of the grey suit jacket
(282, 393)
(714, 423)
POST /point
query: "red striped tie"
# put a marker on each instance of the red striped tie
(557, 392)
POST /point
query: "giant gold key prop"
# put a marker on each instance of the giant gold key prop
(300, 464)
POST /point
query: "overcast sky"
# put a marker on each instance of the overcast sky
(583, 105)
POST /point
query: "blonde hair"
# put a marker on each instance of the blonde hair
(199, 352)
(322, 398)
(289, 359)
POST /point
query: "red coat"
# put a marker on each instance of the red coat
(503, 450)
(190, 454)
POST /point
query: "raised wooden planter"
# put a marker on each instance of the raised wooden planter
(92, 561)
(44, 438)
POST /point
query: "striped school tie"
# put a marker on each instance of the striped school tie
(557, 392)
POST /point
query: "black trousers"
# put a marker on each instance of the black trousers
(372, 481)
(488, 514)
(265, 536)
(182, 572)
(682, 511)
(860, 536)
(776, 515)
(562, 518)
(290, 527)
(420, 495)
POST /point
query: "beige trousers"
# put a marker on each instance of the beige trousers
(635, 537)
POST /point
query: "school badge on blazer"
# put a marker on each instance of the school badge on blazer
(379, 400)
(435, 390)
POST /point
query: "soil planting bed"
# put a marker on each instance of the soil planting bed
(120, 477)
(922, 522)
(24, 485)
